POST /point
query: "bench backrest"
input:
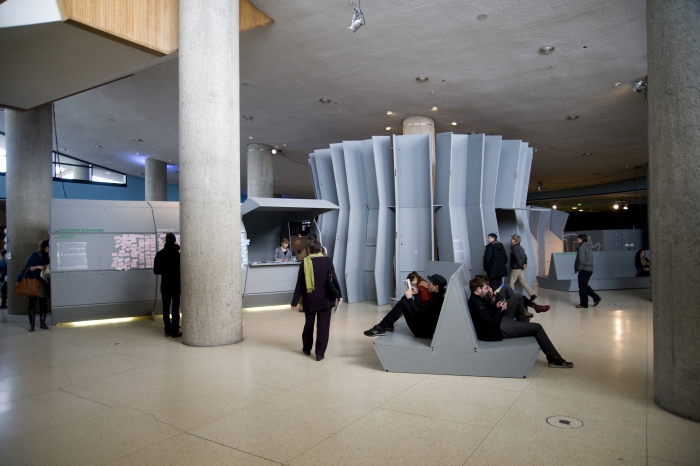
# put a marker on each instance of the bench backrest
(455, 331)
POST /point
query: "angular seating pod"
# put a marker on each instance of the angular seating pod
(454, 349)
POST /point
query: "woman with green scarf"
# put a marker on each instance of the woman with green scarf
(311, 288)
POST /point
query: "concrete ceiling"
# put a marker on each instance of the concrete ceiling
(486, 75)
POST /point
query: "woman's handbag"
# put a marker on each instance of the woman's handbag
(332, 288)
(30, 287)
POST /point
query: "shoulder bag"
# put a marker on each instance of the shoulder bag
(332, 288)
(30, 287)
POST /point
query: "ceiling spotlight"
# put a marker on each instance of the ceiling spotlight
(324, 100)
(454, 123)
(574, 208)
(625, 205)
(389, 112)
(388, 128)
(540, 184)
(273, 151)
(546, 49)
(587, 153)
(555, 205)
(421, 78)
(358, 19)
(434, 108)
(572, 117)
(616, 205)
(640, 86)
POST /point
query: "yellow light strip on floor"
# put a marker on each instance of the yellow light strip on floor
(87, 323)
(280, 307)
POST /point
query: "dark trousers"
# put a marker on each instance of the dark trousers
(495, 282)
(512, 329)
(323, 328)
(32, 309)
(516, 309)
(413, 319)
(584, 289)
(174, 325)
(3, 289)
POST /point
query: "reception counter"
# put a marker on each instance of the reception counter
(269, 283)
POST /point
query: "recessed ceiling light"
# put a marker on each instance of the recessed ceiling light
(98, 146)
(617, 84)
(138, 153)
(170, 160)
(324, 100)
(388, 128)
(587, 153)
(285, 145)
(250, 137)
(108, 173)
(421, 78)
(575, 208)
(454, 123)
(389, 112)
(434, 108)
(481, 17)
(572, 117)
(137, 140)
(546, 49)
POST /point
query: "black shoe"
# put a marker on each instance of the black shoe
(561, 364)
(177, 334)
(30, 328)
(595, 303)
(306, 352)
(319, 358)
(376, 331)
(389, 329)
(533, 297)
(44, 326)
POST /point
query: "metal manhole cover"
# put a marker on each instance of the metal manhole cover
(564, 422)
(116, 343)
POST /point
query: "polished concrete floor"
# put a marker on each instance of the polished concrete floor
(70, 396)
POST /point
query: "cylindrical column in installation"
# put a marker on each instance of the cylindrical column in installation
(210, 214)
(29, 190)
(260, 176)
(673, 35)
(156, 173)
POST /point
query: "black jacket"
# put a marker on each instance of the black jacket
(167, 264)
(317, 299)
(486, 318)
(495, 260)
(518, 258)
(426, 314)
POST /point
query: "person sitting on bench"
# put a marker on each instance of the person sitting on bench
(487, 316)
(421, 318)
(507, 293)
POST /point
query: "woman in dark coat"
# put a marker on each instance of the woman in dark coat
(36, 263)
(311, 290)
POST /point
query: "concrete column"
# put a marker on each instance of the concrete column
(156, 180)
(260, 175)
(29, 189)
(210, 195)
(673, 35)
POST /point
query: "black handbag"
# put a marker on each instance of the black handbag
(332, 288)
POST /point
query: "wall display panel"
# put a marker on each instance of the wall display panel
(386, 219)
(341, 235)
(414, 205)
(372, 219)
(451, 194)
(507, 181)
(357, 223)
(326, 184)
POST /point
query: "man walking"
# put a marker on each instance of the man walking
(167, 264)
(495, 261)
(518, 264)
(584, 268)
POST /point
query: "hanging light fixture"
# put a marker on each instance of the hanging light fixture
(625, 205)
(555, 205)
(358, 19)
(273, 151)
(616, 205)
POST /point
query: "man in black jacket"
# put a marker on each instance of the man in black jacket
(421, 318)
(167, 264)
(493, 323)
(495, 261)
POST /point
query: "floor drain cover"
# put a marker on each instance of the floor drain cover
(117, 343)
(564, 422)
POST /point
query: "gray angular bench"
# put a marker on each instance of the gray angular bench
(454, 348)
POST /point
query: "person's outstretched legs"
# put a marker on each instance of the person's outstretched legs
(322, 331)
(513, 329)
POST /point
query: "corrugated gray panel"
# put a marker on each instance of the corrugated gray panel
(372, 218)
(443, 220)
(414, 205)
(526, 177)
(357, 223)
(523, 221)
(314, 176)
(326, 181)
(103, 287)
(491, 166)
(507, 174)
(341, 234)
(558, 222)
(518, 201)
(475, 169)
(386, 219)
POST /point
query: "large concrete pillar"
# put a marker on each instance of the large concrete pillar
(210, 195)
(260, 176)
(673, 35)
(156, 180)
(29, 189)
